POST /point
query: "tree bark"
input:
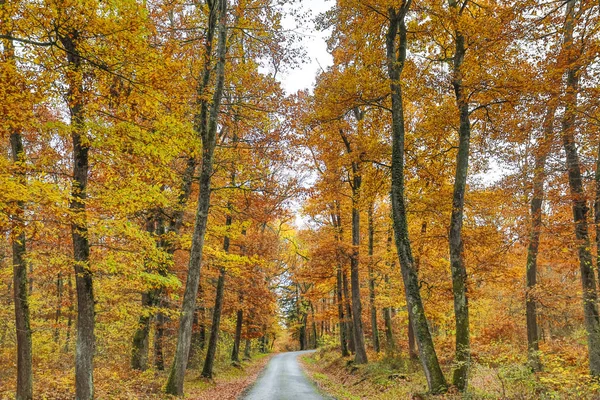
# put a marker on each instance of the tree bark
(396, 55)
(374, 330)
(537, 199)
(349, 323)
(70, 316)
(336, 221)
(235, 352)
(59, 298)
(387, 311)
(206, 127)
(21, 297)
(360, 355)
(457, 261)
(580, 209)
(247, 348)
(86, 340)
(159, 334)
(341, 318)
(313, 343)
(211, 350)
(413, 352)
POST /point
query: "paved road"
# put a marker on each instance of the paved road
(283, 379)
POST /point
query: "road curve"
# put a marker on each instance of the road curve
(283, 379)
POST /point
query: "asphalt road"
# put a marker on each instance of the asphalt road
(283, 379)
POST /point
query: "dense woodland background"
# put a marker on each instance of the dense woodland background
(166, 206)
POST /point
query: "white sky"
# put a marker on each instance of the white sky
(313, 42)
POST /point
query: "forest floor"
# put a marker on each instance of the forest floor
(112, 383)
(395, 378)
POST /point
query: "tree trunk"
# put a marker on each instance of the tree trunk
(198, 329)
(387, 311)
(413, 352)
(457, 261)
(389, 333)
(313, 343)
(580, 209)
(159, 334)
(207, 129)
(139, 351)
(70, 316)
(537, 199)
(235, 353)
(211, 350)
(348, 324)
(21, 298)
(59, 298)
(247, 349)
(374, 330)
(336, 221)
(340, 305)
(207, 371)
(396, 55)
(360, 355)
(86, 340)
(139, 348)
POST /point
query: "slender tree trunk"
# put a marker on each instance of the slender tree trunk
(580, 209)
(360, 355)
(374, 330)
(537, 199)
(211, 351)
(159, 334)
(336, 221)
(341, 318)
(247, 348)
(313, 342)
(413, 352)
(396, 55)
(59, 299)
(207, 371)
(139, 352)
(302, 334)
(198, 329)
(235, 353)
(71, 312)
(457, 261)
(207, 129)
(21, 298)
(139, 348)
(387, 311)
(263, 339)
(389, 332)
(86, 340)
(348, 325)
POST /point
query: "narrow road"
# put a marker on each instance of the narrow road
(283, 379)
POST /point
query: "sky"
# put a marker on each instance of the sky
(313, 42)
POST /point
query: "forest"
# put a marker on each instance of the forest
(426, 215)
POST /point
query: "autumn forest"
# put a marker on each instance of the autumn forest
(426, 215)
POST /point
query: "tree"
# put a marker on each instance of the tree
(396, 57)
(206, 127)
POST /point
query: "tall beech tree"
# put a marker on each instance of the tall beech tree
(396, 44)
(206, 127)
(537, 199)
(457, 258)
